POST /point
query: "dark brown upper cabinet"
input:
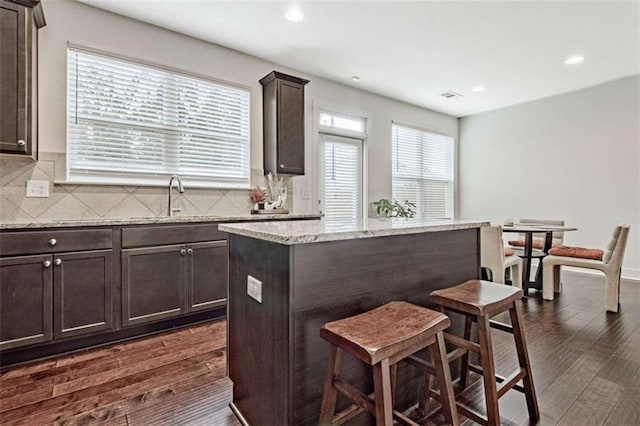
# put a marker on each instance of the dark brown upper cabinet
(283, 123)
(19, 22)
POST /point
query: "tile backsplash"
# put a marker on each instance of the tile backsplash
(95, 201)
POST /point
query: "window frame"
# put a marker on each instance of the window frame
(153, 179)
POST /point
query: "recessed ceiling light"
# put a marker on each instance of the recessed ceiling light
(294, 15)
(355, 78)
(478, 89)
(574, 59)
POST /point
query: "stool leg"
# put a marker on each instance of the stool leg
(523, 359)
(423, 402)
(439, 356)
(464, 366)
(488, 371)
(393, 375)
(330, 393)
(382, 389)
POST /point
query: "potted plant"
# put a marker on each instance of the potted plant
(393, 208)
(258, 197)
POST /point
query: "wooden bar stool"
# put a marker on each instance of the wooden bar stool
(478, 301)
(381, 338)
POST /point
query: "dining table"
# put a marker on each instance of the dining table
(529, 253)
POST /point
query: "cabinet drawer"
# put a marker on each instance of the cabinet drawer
(32, 242)
(173, 234)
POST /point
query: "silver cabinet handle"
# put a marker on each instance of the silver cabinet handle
(189, 251)
(282, 166)
(183, 252)
(53, 242)
(57, 262)
(21, 143)
(46, 263)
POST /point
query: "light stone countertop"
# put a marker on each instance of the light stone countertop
(304, 232)
(68, 223)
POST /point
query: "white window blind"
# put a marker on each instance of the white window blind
(342, 198)
(423, 171)
(138, 124)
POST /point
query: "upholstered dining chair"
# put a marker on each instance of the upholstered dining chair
(611, 265)
(538, 239)
(494, 258)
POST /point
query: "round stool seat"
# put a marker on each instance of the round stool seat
(384, 331)
(477, 297)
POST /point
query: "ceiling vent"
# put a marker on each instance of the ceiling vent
(451, 95)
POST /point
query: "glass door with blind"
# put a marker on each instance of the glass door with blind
(341, 180)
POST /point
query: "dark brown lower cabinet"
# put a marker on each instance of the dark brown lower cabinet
(25, 300)
(45, 297)
(83, 292)
(166, 281)
(207, 275)
(153, 283)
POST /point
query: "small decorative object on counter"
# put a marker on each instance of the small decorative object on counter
(273, 199)
(277, 189)
(258, 197)
(387, 208)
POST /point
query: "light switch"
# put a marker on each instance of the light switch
(305, 194)
(254, 288)
(38, 189)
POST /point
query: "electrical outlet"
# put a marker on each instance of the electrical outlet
(305, 194)
(37, 189)
(254, 288)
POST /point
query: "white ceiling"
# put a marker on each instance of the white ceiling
(414, 51)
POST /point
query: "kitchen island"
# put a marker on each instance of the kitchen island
(304, 274)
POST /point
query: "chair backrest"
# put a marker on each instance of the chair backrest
(617, 244)
(558, 236)
(491, 247)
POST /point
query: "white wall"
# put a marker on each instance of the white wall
(574, 156)
(69, 21)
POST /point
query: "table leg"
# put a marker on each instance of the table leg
(526, 270)
(548, 240)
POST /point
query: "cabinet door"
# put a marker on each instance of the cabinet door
(14, 60)
(25, 300)
(290, 128)
(82, 293)
(207, 275)
(153, 281)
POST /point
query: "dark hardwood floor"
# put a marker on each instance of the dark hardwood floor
(177, 377)
(586, 366)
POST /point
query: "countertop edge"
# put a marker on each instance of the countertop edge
(346, 235)
(73, 223)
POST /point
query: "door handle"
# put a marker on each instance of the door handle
(46, 263)
(57, 262)
(190, 251)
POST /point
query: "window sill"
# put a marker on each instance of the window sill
(188, 183)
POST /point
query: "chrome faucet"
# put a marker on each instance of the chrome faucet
(172, 209)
